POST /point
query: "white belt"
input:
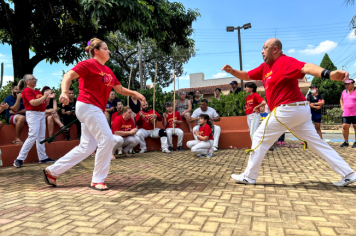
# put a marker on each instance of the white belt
(295, 104)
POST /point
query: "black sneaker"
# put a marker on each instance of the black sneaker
(271, 149)
(48, 160)
(78, 137)
(180, 148)
(170, 149)
(18, 163)
(67, 136)
(353, 145)
(344, 144)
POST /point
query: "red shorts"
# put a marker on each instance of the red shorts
(13, 119)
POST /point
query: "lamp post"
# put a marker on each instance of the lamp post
(232, 29)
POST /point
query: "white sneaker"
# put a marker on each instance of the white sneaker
(119, 151)
(143, 151)
(215, 149)
(166, 151)
(210, 153)
(346, 180)
(200, 155)
(243, 179)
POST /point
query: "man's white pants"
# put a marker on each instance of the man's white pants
(37, 132)
(153, 133)
(216, 134)
(297, 119)
(200, 147)
(177, 132)
(95, 133)
(128, 142)
(252, 121)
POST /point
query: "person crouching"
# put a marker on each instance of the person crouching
(170, 121)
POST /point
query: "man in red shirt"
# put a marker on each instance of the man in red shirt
(145, 119)
(290, 110)
(168, 122)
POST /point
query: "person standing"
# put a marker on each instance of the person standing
(217, 93)
(95, 84)
(184, 107)
(169, 122)
(35, 105)
(69, 115)
(316, 101)
(348, 106)
(235, 89)
(290, 110)
(135, 106)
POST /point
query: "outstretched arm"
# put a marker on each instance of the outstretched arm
(312, 69)
(238, 74)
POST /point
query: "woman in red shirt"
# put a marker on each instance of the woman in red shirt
(203, 147)
(95, 84)
(253, 103)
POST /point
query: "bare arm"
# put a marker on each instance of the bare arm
(63, 111)
(342, 104)
(312, 69)
(164, 121)
(16, 106)
(238, 74)
(215, 119)
(66, 82)
(123, 133)
(23, 111)
(39, 101)
(202, 138)
(193, 120)
(189, 106)
(127, 92)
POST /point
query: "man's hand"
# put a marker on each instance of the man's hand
(140, 97)
(141, 114)
(64, 99)
(19, 95)
(228, 69)
(12, 112)
(4, 106)
(318, 107)
(339, 75)
(256, 109)
(165, 115)
(134, 131)
(68, 112)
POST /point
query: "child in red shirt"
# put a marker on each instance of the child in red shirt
(203, 147)
(169, 121)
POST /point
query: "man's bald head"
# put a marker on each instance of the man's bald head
(275, 43)
(271, 50)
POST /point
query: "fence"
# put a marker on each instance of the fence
(331, 114)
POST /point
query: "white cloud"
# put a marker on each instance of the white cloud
(220, 75)
(57, 73)
(184, 77)
(2, 55)
(352, 35)
(7, 78)
(355, 64)
(291, 51)
(323, 47)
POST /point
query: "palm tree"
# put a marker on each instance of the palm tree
(353, 20)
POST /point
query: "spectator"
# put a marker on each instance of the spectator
(347, 102)
(217, 92)
(69, 115)
(253, 103)
(184, 107)
(15, 114)
(316, 101)
(196, 99)
(119, 107)
(169, 122)
(3, 107)
(35, 105)
(145, 119)
(190, 97)
(124, 131)
(203, 144)
(51, 112)
(204, 109)
(135, 106)
(110, 106)
(235, 89)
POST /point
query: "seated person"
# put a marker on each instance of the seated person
(203, 145)
(68, 115)
(145, 119)
(3, 107)
(119, 107)
(135, 105)
(123, 128)
(169, 122)
(51, 112)
(196, 99)
(16, 112)
(184, 107)
(204, 109)
(111, 106)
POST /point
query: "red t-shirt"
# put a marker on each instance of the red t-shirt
(145, 122)
(170, 119)
(120, 124)
(29, 94)
(252, 101)
(114, 115)
(206, 131)
(280, 80)
(95, 83)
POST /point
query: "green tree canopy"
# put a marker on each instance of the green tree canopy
(58, 30)
(330, 89)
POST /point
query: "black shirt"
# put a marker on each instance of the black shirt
(136, 108)
(50, 104)
(236, 91)
(315, 99)
(70, 106)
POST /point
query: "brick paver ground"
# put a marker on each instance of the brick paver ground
(180, 194)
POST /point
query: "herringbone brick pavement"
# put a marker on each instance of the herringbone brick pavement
(181, 194)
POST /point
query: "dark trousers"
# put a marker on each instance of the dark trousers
(281, 139)
(69, 118)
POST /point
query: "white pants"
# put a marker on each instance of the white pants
(177, 132)
(153, 133)
(252, 121)
(95, 133)
(216, 134)
(37, 132)
(297, 119)
(200, 147)
(128, 142)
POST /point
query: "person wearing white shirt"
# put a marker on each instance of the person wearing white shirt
(214, 117)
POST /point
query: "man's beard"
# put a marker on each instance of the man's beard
(145, 109)
(14, 94)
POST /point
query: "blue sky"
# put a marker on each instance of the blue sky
(307, 30)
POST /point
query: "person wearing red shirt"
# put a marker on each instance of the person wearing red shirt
(145, 120)
(95, 84)
(124, 130)
(35, 105)
(253, 103)
(168, 122)
(203, 146)
(290, 110)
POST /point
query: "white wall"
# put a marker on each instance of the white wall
(197, 80)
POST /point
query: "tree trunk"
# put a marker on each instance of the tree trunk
(140, 64)
(21, 61)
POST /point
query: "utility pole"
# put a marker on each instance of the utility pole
(140, 64)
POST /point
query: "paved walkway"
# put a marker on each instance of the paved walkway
(180, 194)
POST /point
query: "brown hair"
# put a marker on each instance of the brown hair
(95, 43)
(125, 109)
(44, 89)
